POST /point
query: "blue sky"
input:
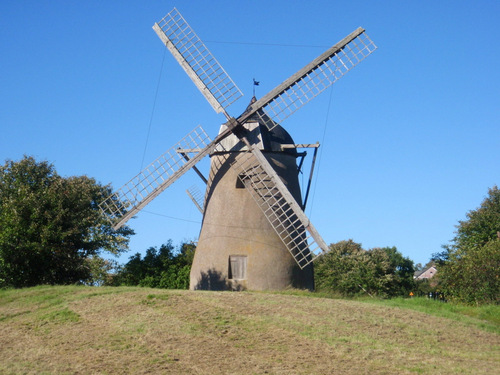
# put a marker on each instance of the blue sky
(410, 137)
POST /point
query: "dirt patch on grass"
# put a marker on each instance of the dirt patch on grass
(146, 331)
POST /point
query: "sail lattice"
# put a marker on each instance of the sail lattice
(314, 78)
(197, 197)
(156, 177)
(280, 208)
(197, 61)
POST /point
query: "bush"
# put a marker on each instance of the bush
(160, 268)
(350, 270)
(469, 266)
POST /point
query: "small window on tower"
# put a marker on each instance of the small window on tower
(237, 267)
(239, 182)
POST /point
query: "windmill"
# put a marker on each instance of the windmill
(255, 234)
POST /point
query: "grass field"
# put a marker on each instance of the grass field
(85, 330)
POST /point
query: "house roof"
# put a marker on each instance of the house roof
(426, 273)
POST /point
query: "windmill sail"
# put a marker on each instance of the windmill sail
(155, 178)
(280, 208)
(311, 80)
(255, 172)
(197, 197)
(197, 61)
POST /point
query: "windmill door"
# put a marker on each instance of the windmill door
(237, 267)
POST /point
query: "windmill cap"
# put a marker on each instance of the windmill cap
(273, 139)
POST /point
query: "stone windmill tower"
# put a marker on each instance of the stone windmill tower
(238, 248)
(255, 234)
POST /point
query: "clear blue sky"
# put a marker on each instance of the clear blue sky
(410, 138)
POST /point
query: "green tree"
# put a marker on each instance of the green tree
(176, 276)
(482, 225)
(331, 268)
(51, 226)
(469, 266)
(350, 270)
(101, 270)
(159, 268)
(403, 270)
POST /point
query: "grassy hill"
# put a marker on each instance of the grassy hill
(84, 330)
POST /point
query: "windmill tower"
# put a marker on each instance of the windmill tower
(255, 234)
(238, 247)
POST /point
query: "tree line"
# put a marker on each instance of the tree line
(52, 232)
(469, 266)
(165, 267)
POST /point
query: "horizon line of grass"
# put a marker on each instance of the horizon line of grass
(485, 317)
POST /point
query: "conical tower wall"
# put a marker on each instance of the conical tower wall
(237, 247)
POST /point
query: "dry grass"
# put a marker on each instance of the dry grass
(78, 330)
